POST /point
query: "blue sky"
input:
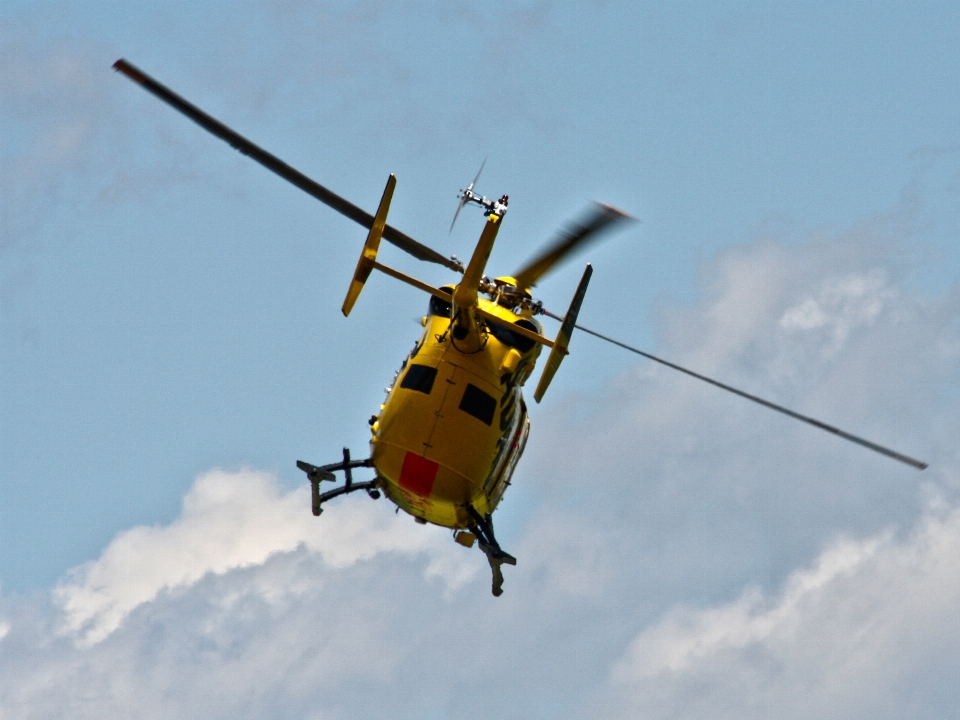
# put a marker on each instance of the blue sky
(171, 329)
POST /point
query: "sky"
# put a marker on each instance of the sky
(172, 344)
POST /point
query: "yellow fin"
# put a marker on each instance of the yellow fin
(563, 337)
(369, 255)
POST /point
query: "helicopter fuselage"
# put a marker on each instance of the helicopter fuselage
(454, 423)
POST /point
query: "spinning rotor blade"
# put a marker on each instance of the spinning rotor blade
(342, 206)
(766, 403)
(576, 236)
(482, 165)
(465, 197)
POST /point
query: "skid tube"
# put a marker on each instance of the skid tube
(483, 529)
(316, 475)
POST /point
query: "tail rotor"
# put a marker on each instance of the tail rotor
(466, 195)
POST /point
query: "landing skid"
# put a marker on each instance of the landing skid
(483, 529)
(316, 475)
(482, 526)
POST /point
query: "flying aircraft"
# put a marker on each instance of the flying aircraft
(447, 438)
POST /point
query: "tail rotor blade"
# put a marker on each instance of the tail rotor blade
(463, 201)
(906, 459)
(478, 174)
(465, 195)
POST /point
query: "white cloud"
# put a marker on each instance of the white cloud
(54, 114)
(842, 304)
(852, 632)
(671, 556)
(234, 520)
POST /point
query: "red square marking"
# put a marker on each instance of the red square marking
(418, 474)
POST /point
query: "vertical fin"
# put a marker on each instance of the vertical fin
(563, 337)
(365, 265)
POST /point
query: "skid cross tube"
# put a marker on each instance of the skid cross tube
(317, 474)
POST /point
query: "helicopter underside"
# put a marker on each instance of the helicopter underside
(428, 488)
(451, 429)
(449, 434)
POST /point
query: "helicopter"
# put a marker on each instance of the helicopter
(448, 436)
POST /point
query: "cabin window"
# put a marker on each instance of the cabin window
(439, 306)
(420, 378)
(477, 403)
(512, 339)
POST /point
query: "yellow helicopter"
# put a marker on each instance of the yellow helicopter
(454, 424)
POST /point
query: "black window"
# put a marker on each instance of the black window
(512, 339)
(477, 403)
(419, 377)
(439, 306)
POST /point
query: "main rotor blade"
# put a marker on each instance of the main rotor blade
(766, 403)
(578, 235)
(271, 162)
